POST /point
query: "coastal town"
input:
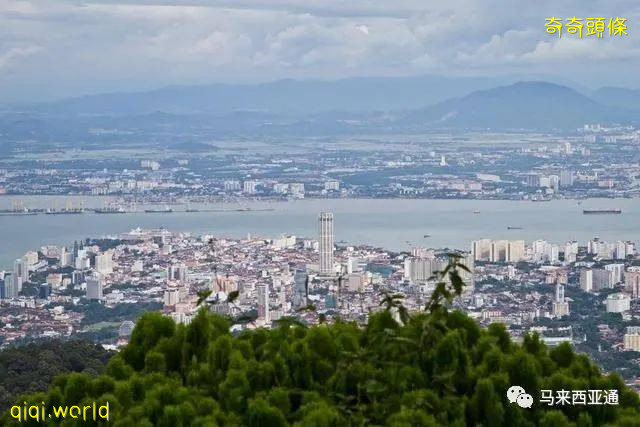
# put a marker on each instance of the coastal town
(594, 161)
(585, 293)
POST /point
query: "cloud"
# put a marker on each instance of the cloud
(59, 48)
(14, 54)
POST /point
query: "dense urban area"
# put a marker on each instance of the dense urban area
(597, 161)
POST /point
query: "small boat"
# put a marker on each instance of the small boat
(476, 211)
(510, 227)
(426, 235)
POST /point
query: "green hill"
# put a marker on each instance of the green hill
(424, 369)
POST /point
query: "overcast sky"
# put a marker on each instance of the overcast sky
(55, 48)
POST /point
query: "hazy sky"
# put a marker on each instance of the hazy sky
(54, 48)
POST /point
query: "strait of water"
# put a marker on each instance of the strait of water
(396, 224)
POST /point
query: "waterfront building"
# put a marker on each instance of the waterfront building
(249, 187)
(232, 185)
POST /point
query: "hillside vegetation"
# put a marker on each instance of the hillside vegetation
(33, 366)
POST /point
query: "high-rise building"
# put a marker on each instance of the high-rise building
(171, 297)
(420, 270)
(498, 250)
(66, 257)
(515, 250)
(481, 250)
(620, 250)
(20, 272)
(300, 289)
(632, 338)
(544, 251)
(566, 178)
(586, 280)
(570, 251)
(31, 258)
(11, 288)
(177, 272)
(325, 243)
(602, 249)
(232, 185)
(630, 248)
(263, 302)
(532, 180)
(94, 287)
(249, 187)
(617, 272)
(632, 281)
(602, 279)
(560, 305)
(104, 263)
(81, 260)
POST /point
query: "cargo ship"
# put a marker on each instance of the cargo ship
(109, 210)
(65, 212)
(601, 211)
(165, 210)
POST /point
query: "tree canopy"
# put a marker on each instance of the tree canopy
(32, 367)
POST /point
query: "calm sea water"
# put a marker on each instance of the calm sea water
(390, 223)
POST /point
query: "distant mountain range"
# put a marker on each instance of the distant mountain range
(282, 97)
(289, 96)
(523, 105)
(341, 106)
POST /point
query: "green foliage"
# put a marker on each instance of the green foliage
(401, 369)
(95, 312)
(32, 367)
